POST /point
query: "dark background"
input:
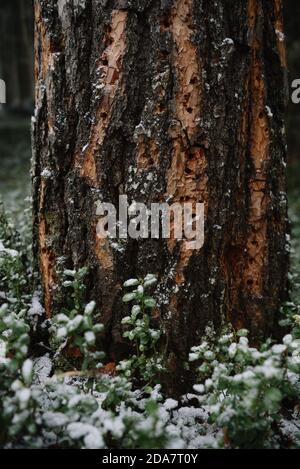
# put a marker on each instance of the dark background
(16, 53)
(292, 29)
(16, 68)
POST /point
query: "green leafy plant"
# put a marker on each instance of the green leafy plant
(147, 363)
(74, 328)
(16, 405)
(243, 388)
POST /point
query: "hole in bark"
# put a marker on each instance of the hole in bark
(163, 54)
(103, 115)
(105, 62)
(165, 22)
(189, 110)
(193, 81)
(250, 282)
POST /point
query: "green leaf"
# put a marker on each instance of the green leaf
(126, 320)
(272, 396)
(131, 283)
(70, 273)
(151, 407)
(150, 303)
(150, 277)
(150, 282)
(140, 291)
(129, 297)
(135, 311)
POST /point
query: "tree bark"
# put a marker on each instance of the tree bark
(157, 99)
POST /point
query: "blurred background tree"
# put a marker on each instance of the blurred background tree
(292, 18)
(16, 53)
(16, 68)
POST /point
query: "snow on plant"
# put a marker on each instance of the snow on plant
(59, 412)
(13, 276)
(16, 275)
(14, 333)
(147, 363)
(16, 373)
(74, 328)
(113, 416)
(291, 317)
(243, 388)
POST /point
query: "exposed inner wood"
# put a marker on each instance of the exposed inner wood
(279, 30)
(104, 253)
(147, 154)
(46, 255)
(246, 257)
(259, 152)
(110, 73)
(186, 178)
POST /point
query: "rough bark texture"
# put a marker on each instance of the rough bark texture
(159, 99)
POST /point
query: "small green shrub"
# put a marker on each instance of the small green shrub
(243, 388)
(74, 328)
(147, 363)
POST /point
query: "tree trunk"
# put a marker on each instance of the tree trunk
(164, 99)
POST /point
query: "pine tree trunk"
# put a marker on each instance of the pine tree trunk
(159, 99)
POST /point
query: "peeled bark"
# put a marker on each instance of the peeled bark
(158, 99)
